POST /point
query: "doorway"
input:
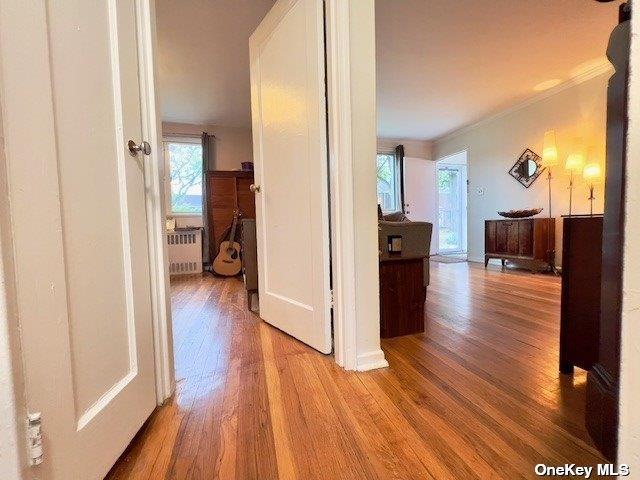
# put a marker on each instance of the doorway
(451, 183)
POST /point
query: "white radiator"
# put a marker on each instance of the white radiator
(185, 251)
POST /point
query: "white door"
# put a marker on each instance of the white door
(79, 223)
(420, 193)
(290, 154)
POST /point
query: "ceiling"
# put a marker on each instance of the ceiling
(442, 65)
(203, 59)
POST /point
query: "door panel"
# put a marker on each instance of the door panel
(246, 198)
(89, 364)
(490, 237)
(290, 153)
(512, 238)
(502, 235)
(525, 238)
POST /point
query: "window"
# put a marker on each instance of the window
(388, 182)
(184, 164)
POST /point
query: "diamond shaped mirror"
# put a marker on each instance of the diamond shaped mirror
(527, 168)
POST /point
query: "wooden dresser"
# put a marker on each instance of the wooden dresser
(228, 191)
(527, 240)
(581, 281)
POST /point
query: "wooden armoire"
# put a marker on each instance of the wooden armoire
(228, 191)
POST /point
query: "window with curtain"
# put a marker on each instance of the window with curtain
(184, 164)
(388, 171)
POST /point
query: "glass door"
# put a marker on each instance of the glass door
(452, 216)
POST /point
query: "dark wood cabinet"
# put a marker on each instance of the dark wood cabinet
(228, 191)
(581, 279)
(527, 239)
(402, 297)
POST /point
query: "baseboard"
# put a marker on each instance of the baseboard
(371, 361)
(475, 259)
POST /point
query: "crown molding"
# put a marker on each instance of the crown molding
(412, 147)
(601, 68)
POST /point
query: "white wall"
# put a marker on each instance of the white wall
(233, 146)
(629, 429)
(495, 144)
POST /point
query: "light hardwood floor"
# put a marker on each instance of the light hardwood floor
(477, 396)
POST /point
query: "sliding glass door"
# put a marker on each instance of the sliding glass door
(452, 211)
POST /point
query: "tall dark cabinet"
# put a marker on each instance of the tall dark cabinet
(603, 377)
(581, 285)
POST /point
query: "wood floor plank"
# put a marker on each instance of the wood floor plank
(477, 395)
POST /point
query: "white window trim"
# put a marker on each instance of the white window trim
(193, 139)
(397, 180)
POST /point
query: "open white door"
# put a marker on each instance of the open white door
(288, 108)
(421, 193)
(80, 227)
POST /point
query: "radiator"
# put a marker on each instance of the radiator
(185, 251)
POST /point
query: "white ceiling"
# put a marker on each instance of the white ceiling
(203, 59)
(441, 64)
(444, 64)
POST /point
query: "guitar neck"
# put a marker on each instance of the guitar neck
(232, 235)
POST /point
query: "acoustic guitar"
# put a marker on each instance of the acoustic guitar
(227, 263)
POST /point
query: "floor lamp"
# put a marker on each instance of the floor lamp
(573, 166)
(550, 160)
(592, 174)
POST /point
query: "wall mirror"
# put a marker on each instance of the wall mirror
(527, 168)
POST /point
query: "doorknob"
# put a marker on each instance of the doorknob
(254, 188)
(144, 147)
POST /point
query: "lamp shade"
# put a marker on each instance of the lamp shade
(549, 150)
(576, 159)
(592, 173)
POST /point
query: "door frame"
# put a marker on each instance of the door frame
(155, 172)
(465, 213)
(342, 228)
(351, 114)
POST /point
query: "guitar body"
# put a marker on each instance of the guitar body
(227, 263)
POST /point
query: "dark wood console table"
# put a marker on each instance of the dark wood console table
(528, 240)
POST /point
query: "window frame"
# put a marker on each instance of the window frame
(396, 181)
(166, 140)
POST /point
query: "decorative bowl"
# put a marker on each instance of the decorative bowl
(529, 212)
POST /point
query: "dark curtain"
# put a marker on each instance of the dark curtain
(400, 161)
(208, 164)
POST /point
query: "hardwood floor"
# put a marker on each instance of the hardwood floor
(478, 395)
